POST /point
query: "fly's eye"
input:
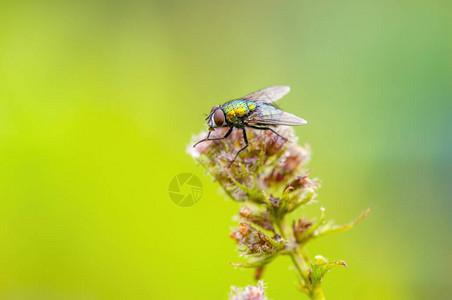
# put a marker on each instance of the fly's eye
(212, 111)
(218, 117)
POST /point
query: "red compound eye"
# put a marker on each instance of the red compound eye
(218, 117)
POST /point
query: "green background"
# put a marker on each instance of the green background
(99, 100)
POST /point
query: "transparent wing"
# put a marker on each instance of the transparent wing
(269, 94)
(268, 115)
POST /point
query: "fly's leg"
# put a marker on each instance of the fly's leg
(246, 145)
(215, 139)
(268, 128)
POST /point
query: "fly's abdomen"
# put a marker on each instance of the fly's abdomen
(237, 109)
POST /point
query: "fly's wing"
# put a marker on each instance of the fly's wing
(269, 115)
(269, 94)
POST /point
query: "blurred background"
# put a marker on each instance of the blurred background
(99, 100)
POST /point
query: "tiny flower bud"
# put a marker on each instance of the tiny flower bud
(260, 218)
(301, 226)
(302, 181)
(255, 241)
(249, 293)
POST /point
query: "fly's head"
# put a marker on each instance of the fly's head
(216, 118)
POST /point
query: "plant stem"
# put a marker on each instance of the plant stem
(317, 293)
(300, 262)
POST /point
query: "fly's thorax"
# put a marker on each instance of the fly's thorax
(237, 109)
(251, 105)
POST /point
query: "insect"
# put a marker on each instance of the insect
(255, 111)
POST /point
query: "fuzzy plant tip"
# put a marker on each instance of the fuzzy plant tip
(270, 181)
(250, 292)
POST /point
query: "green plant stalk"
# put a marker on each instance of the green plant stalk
(301, 265)
(317, 293)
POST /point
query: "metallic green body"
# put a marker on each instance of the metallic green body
(236, 110)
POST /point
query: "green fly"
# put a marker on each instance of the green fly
(255, 111)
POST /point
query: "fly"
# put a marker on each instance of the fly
(255, 111)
